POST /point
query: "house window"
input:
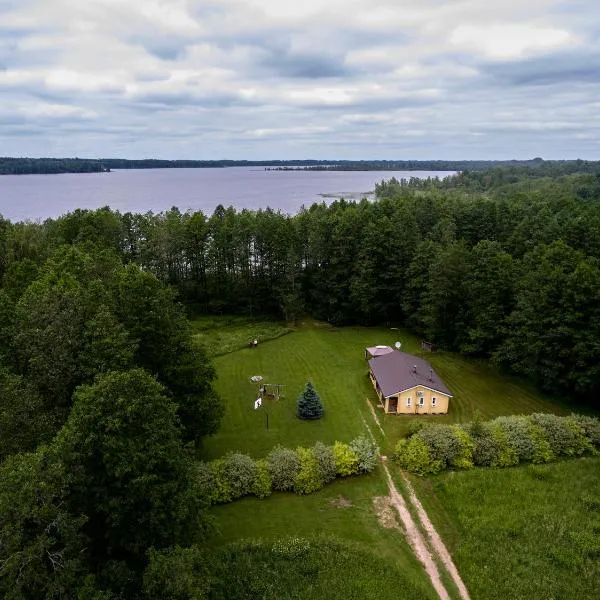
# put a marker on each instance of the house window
(433, 401)
(421, 401)
(408, 403)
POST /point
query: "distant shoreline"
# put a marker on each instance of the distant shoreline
(56, 166)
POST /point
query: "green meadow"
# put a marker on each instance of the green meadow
(525, 532)
(333, 359)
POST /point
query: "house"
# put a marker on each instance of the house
(407, 385)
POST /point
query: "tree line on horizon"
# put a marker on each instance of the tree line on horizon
(534, 167)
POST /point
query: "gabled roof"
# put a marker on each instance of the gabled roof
(379, 350)
(395, 372)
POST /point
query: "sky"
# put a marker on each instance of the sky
(286, 79)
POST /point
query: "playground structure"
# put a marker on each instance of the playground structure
(271, 390)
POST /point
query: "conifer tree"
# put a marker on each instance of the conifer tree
(309, 404)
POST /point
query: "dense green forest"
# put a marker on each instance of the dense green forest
(23, 166)
(510, 272)
(105, 398)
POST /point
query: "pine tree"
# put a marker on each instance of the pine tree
(309, 404)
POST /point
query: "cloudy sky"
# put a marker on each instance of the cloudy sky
(262, 79)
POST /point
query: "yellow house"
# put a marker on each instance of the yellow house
(407, 385)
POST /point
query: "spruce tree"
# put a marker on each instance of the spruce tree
(309, 404)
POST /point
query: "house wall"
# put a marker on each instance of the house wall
(441, 407)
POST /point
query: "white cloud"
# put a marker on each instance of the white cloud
(267, 78)
(510, 40)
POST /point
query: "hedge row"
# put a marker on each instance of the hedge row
(503, 442)
(303, 471)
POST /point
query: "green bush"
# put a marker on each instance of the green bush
(222, 492)
(486, 448)
(416, 426)
(346, 460)
(240, 472)
(464, 459)
(542, 453)
(206, 483)
(413, 455)
(518, 436)
(562, 438)
(591, 427)
(582, 445)
(507, 456)
(443, 443)
(309, 478)
(326, 461)
(283, 465)
(367, 452)
(263, 483)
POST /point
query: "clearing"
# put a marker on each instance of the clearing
(333, 359)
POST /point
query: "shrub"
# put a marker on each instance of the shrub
(326, 461)
(283, 465)
(240, 471)
(346, 460)
(507, 456)
(542, 453)
(309, 478)
(367, 452)
(413, 455)
(222, 491)
(464, 459)
(518, 436)
(415, 426)
(581, 442)
(562, 438)
(263, 483)
(591, 427)
(486, 449)
(443, 444)
(309, 404)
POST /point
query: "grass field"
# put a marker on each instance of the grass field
(334, 360)
(222, 335)
(343, 510)
(527, 532)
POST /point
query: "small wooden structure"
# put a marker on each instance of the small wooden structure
(271, 390)
(427, 346)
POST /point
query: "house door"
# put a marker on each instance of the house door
(393, 404)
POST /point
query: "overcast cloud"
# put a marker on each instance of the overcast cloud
(262, 79)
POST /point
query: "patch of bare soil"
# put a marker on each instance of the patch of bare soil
(340, 502)
(385, 513)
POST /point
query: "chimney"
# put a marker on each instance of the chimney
(430, 374)
(414, 368)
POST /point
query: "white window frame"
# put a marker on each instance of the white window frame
(421, 402)
(408, 403)
(433, 401)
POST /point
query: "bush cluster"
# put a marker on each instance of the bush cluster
(503, 442)
(303, 470)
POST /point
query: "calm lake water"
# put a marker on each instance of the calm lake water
(37, 197)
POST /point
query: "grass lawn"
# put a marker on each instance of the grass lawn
(334, 360)
(352, 519)
(525, 532)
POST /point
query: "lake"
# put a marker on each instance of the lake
(37, 197)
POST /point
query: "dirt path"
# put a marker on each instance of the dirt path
(436, 541)
(415, 538)
(413, 533)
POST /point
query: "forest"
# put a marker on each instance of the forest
(31, 166)
(106, 399)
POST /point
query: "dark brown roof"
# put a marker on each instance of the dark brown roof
(395, 372)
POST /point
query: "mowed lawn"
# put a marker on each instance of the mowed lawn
(525, 532)
(333, 359)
